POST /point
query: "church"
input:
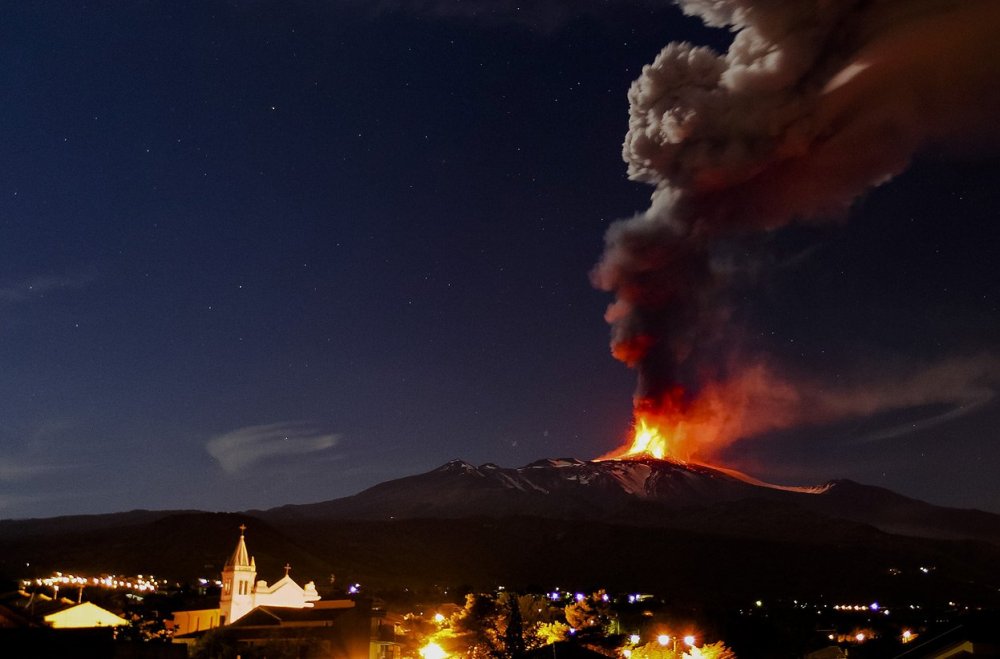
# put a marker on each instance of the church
(242, 593)
(259, 618)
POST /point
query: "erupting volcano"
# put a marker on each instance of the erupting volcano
(686, 428)
(664, 431)
(811, 105)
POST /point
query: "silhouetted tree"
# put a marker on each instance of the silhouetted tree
(716, 650)
(589, 614)
(514, 634)
(501, 627)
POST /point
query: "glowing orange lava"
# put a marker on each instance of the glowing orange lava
(650, 440)
(661, 429)
(694, 429)
(679, 426)
(695, 426)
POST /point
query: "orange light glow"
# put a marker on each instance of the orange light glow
(661, 430)
(648, 440)
(688, 426)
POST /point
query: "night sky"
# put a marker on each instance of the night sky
(256, 253)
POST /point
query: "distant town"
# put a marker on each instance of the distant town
(238, 613)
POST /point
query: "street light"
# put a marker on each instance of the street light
(433, 651)
(663, 639)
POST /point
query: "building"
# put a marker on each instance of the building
(85, 614)
(36, 625)
(242, 593)
(335, 628)
(24, 609)
(972, 636)
(260, 618)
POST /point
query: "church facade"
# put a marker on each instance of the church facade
(242, 593)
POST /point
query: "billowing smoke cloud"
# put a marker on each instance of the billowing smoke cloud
(814, 103)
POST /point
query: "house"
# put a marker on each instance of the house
(974, 636)
(24, 609)
(36, 625)
(85, 614)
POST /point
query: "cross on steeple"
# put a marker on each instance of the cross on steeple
(288, 568)
(243, 527)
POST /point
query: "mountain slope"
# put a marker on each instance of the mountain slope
(643, 491)
(562, 488)
(697, 532)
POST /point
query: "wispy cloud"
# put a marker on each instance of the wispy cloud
(240, 449)
(12, 471)
(959, 385)
(39, 285)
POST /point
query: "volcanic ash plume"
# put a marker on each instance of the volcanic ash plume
(814, 102)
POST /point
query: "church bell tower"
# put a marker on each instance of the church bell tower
(237, 583)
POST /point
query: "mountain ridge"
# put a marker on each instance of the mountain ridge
(692, 530)
(633, 490)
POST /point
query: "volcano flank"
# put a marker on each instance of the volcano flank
(644, 491)
(704, 534)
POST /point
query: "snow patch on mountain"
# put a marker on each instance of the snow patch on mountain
(632, 477)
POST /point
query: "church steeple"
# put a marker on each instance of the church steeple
(240, 557)
(238, 576)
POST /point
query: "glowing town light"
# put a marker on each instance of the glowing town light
(438, 618)
(663, 639)
(907, 636)
(860, 638)
(634, 639)
(433, 651)
(873, 606)
(689, 640)
(627, 654)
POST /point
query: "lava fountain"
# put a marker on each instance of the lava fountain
(683, 427)
(670, 429)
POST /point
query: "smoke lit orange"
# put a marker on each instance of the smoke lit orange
(661, 429)
(680, 427)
